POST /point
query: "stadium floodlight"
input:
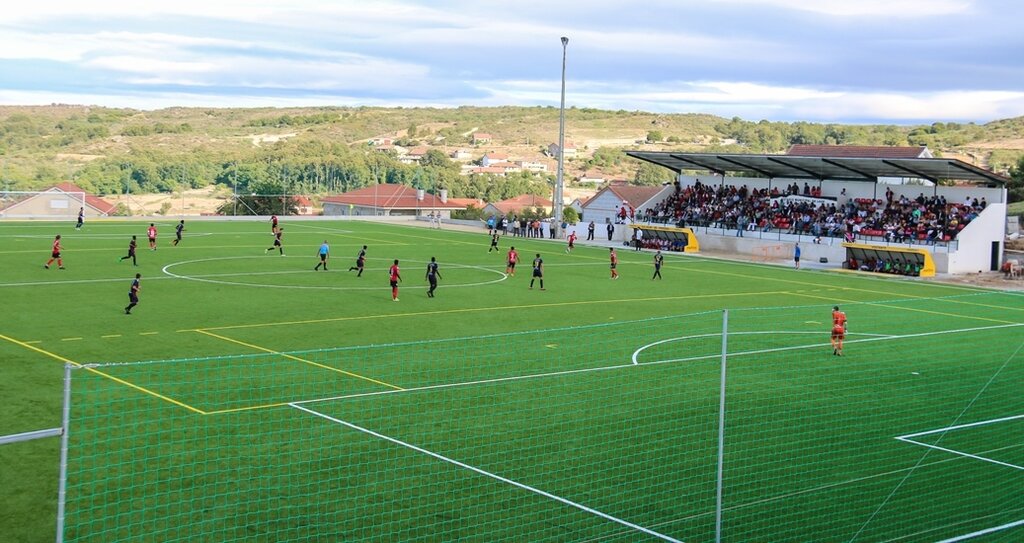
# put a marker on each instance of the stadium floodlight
(560, 178)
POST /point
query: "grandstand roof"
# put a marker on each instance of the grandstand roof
(823, 167)
(859, 151)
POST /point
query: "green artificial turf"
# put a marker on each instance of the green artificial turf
(493, 412)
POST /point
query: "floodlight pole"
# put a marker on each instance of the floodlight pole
(560, 179)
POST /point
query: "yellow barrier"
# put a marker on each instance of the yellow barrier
(692, 245)
(927, 262)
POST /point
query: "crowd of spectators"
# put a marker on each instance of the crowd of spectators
(806, 211)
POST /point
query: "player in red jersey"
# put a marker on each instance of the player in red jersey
(151, 233)
(838, 330)
(513, 259)
(395, 277)
(614, 262)
(273, 223)
(55, 254)
(572, 242)
(133, 294)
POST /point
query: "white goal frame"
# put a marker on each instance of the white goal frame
(45, 205)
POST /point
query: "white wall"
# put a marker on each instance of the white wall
(974, 243)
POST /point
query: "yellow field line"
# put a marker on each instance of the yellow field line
(247, 408)
(297, 359)
(980, 305)
(834, 299)
(489, 308)
(103, 374)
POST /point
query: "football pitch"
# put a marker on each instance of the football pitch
(250, 398)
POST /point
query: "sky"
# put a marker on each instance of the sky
(859, 61)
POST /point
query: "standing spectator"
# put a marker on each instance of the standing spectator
(796, 256)
(490, 224)
(611, 230)
(590, 231)
(638, 238)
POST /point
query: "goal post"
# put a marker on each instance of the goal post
(47, 205)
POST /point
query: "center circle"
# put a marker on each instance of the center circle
(214, 278)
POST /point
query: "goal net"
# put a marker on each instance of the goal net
(53, 204)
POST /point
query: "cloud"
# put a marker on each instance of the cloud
(778, 59)
(899, 9)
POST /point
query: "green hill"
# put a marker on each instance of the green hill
(320, 150)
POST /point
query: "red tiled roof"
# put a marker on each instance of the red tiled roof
(390, 196)
(856, 151)
(466, 202)
(635, 195)
(95, 202)
(522, 201)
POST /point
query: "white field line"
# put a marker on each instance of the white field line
(961, 453)
(811, 490)
(941, 436)
(959, 426)
(201, 279)
(632, 365)
(477, 470)
(986, 531)
(770, 332)
(321, 228)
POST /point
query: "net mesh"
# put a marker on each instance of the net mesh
(594, 433)
(40, 205)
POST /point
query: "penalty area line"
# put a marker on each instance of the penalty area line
(986, 531)
(297, 359)
(494, 476)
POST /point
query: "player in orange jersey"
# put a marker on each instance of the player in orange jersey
(614, 262)
(838, 330)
